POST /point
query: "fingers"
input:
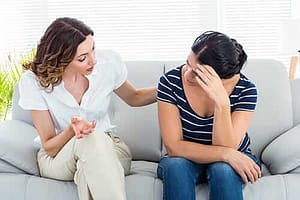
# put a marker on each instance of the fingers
(93, 124)
(243, 176)
(254, 173)
(201, 77)
(206, 74)
(208, 70)
(248, 170)
(75, 119)
(82, 127)
(252, 176)
(249, 175)
(202, 83)
(257, 168)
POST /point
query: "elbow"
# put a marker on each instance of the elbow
(133, 101)
(50, 151)
(172, 150)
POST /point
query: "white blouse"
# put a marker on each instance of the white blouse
(109, 74)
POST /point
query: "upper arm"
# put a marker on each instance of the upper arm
(126, 92)
(241, 122)
(243, 109)
(44, 125)
(169, 123)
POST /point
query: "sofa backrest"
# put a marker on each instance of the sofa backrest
(17, 112)
(138, 126)
(295, 88)
(274, 113)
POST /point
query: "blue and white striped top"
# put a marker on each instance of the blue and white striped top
(196, 128)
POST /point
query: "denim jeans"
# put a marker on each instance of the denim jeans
(180, 177)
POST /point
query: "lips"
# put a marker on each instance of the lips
(90, 69)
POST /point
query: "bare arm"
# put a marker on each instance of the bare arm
(228, 128)
(171, 131)
(51, 142)
(136, 97)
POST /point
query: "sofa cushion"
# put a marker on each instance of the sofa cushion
(17, 146)
(273, 114)
(6, 167)
(138, 126)
(283, 154)
(295, 88)
(17, 112)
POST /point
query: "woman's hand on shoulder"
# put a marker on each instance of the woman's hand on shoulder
(82, 127)
(243, 165)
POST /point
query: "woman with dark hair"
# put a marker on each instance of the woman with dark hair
(68, 95)
(205, 107)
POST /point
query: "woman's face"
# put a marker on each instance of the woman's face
(191, 65)
(84, 59)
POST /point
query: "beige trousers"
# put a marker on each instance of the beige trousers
(97, 164)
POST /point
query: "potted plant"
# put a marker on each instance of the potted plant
(10, 73)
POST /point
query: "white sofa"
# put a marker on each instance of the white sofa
(275, 133)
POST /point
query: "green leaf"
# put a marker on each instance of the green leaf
(10, 74)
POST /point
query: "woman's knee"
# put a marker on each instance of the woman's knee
(123, 152)
(174, 162)
(222, 172)
(95, 143)
(173, 166)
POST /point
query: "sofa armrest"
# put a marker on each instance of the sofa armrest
(296, 171)
(17, 147)
(283, 154)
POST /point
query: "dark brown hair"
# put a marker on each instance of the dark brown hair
(225, 55)
(57, 49)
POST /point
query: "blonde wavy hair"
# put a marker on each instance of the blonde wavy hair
(56, 49)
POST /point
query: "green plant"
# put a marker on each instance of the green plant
(10, 73)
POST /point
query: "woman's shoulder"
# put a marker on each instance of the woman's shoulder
(245, 81)
(173, 74)
(28, 77)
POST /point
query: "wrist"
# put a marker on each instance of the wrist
(222, 105)
(70, 131)
(227, 154)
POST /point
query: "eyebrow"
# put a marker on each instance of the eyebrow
(84, 54)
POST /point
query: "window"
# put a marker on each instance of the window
(150, 29)
(137, 29)
(256, 25)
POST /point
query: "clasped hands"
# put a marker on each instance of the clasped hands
(82, 127)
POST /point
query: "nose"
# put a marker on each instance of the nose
(92, 58)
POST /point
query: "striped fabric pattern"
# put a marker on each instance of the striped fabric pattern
(196, 128)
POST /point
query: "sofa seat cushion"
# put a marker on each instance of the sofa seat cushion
(6, 167)
(283, 154)
(17, 146)
(27, 187)
(144, 167)
(279, 187)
